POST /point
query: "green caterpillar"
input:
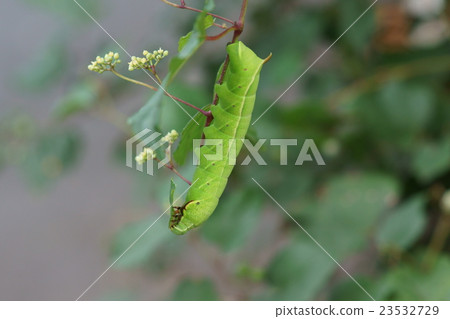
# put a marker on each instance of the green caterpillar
(232, 116)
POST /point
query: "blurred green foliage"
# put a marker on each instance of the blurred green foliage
(377, 109)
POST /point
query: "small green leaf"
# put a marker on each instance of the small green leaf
(191, 131)
(409, 282)
(404, 225)
(44, 67)
(51, 155)
(148, 116)
(209, 5)
(348, 12)
(80, 98)
(195, 290)
(234, 220)
(349, 208)
(189, 44)
(347, 290)
(151, 238)
(172, 191)
(398, 113)
(432, 160)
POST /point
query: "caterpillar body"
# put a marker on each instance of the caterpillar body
(231, 120)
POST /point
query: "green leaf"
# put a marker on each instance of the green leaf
(195, 290)
(148, 116)
(398, 113)
(347, 290)
(407, 106)
(432, 160)
(80, 98)
(151, 238)
(409, 282)
(403, 226)
(299, 271)
(234, 219)
(173, 117)
(189, 44)
(348, 209)
(172, 191)
(357, 37)
(209, 5)
(191, 131)
(311, 118)
(44, 68)
(51, 155)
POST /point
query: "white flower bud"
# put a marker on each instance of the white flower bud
(171, 137)
(140, 159)
(149, 153)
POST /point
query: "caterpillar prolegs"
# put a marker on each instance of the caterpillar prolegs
(231, 120)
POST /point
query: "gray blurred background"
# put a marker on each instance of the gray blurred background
(54, 244)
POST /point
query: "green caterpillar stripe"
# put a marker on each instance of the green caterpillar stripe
(232, 116)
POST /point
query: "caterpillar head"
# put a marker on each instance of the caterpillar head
(179, 225)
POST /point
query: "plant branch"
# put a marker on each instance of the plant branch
(153, 70)
(238, 29)
(173, 169)
(222, 26)
(438, 240)
(133, 80)
(183, 6)
(179, 175)
(155, 89)
(221, 34)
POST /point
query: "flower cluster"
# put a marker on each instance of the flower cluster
(149, 59)
(146, 155)
(171, 137)
(101, 65)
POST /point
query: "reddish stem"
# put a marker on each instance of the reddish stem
(151, 87)
(205, 113)
(221, 26)
(172, 168)
(221, 77)
(178, 174)
(183, 5)
(238, 29)
(220, 35)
